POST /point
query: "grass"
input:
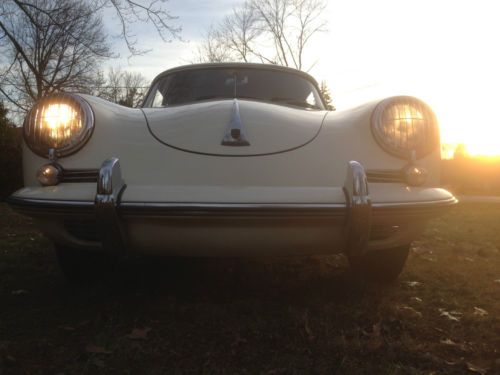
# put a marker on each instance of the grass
(257, 316)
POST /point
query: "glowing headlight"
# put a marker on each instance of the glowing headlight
(404, 124)
(62, 122)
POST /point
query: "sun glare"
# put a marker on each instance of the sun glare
(456, 74)
(468, 122)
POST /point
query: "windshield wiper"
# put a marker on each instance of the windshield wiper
(295, 102)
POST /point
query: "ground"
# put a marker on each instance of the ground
(257, 316)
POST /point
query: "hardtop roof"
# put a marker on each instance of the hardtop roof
(235, 65)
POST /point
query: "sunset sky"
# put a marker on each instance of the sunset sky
(445, 52)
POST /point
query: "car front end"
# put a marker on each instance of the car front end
(230, 174)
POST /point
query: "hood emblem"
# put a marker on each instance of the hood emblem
(235, 133)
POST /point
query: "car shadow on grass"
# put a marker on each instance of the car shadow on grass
(290, 280)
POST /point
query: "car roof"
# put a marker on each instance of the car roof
(236, 65)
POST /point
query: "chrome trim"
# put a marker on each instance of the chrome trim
(110, 186)
(394, 175)
(34, 202)
(76, 143)
(419, 204)
(43, 208)
(52, 155)
(79, 175)
(71, 204)
(252, 206)
(235, 133)
(110, 179)
(385, 176)
(360, 209)
(287, 211)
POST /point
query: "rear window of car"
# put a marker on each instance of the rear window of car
(277, 87)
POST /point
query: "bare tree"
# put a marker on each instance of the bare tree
(270, 31)
(52, 45)
(214, 48)
(113, 85)
(239, 31)
(45, 57)
(150, 12)
(123, 87)
(128, 12)
(135, 85)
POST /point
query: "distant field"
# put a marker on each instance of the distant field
(257, 316)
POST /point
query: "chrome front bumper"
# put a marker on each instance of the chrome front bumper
(356, 215)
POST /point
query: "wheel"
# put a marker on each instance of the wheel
(381, 265)
(82, 265)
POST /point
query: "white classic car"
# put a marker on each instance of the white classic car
(231, 160)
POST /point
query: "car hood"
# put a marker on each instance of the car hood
(234, 127)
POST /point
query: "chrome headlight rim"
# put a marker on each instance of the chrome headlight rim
(78, 141)
(376, 124)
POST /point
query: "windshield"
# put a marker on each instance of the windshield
(258, 84)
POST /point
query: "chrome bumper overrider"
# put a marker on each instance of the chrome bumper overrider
(356, 215)
(110, 186)
(360, 209)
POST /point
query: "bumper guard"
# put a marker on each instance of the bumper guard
(359, 209)
(110, 186)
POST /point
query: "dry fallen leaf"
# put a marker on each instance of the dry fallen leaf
(413, 284)
(421, 250)
(460, 346)
(408, 312)
(448, 342)
(96, 349)
(497, 281)
(139, 333)
(480, 312)
(452, 315)
(478, 369)
(307, 328)
(416, 299)
(19, 292)
(452, 362)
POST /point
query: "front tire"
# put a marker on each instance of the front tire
(80, 266)
(381, 265)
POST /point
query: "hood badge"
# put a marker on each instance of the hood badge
(235, 133)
